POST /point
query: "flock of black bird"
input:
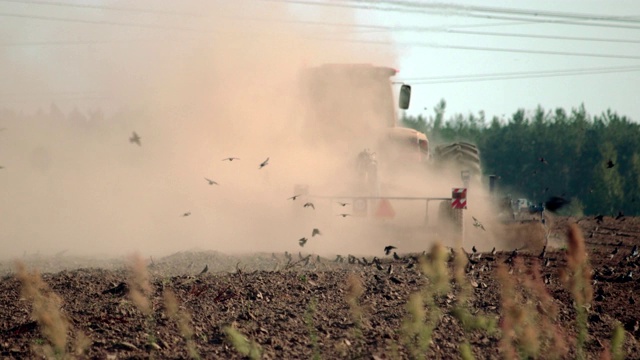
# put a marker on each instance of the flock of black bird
(553, 204)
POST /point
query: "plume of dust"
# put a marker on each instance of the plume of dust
(79, 185)
(233, 90)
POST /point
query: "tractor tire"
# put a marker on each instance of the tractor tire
(464, 155)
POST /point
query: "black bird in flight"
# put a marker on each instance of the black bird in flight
(211, 182)
(315, 232)
(264, 163)
(303, 241)
(294, 197)
(556, 203)
(309, 205)
(230, 159)
(543, 160)
(477, 223)
(342, 204)
(610, 164)
(135, 139)
(388, 248)
(188, 213)
(344, 215)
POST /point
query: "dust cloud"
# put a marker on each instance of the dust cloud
(231, 88)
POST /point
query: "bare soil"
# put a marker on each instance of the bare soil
(297, 309)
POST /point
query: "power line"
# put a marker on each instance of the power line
(491, 49)
(504, 10)
(532, 19)
(517, 76)
(517, 73)
(99, 22)
(103, 7)
(85, 42)
(319, 23)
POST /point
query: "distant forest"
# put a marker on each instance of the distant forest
(592, 160)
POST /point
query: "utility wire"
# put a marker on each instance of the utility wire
(315, 23)
(491, 49)
(522, 76)
(518, 73)
(99, 22)
(502, 10)
(532, 18)
(103, 7)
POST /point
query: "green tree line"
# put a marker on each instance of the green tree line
(592, 160)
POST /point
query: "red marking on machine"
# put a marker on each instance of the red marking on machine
(385, 210)
(459, 198)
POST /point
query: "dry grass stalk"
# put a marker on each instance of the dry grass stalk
(139, 285)
(577, 278)
(183, 320)
(529, 314)
(511, 313)
(242, 344)
(46, 308)
(354, 291)
(423, 313)
(550, 333)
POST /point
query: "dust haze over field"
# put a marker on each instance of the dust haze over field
(227, 90)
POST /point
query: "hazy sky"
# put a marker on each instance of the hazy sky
(501, 39)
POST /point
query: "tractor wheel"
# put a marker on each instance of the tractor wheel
(466, 156)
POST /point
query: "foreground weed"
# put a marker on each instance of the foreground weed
(460, 310)
(183, 320)
(423, 313)
(354, 291)
(242, 344)
(140, 291)
(313, 334)
(577, 278)
(615, 351)
(46, 311)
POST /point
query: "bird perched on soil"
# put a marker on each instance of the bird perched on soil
(388, 248)
(206, 268)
